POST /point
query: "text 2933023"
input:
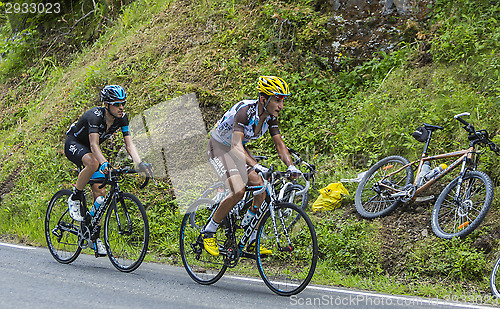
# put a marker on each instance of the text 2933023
(33, 8)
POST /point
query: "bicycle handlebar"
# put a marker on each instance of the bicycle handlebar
(480, 136)
(121, 171)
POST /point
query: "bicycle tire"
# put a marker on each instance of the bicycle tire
(495, 280)
(371, 204)
(291, 265)
(201, 266)
(61, 232)
(449, 220)
(290, 196)
(215, 192)
(126, 233)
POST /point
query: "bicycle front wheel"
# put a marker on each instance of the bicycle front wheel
(454, 216)
(495, 279)
(126, 233)
(291, 265)
(201, 266)
(373, 197)
(61, 232)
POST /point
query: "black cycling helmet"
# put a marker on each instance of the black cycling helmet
(113, 93)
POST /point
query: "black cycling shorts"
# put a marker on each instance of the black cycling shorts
(75, 150)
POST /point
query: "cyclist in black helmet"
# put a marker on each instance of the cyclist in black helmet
(82, 147)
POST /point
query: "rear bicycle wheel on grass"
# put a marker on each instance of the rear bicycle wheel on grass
(61, 232)
(291, 265)
(373, 196)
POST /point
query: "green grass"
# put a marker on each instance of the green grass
(343, 119)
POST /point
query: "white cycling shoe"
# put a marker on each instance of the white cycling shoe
(74, 209)
(99, 247)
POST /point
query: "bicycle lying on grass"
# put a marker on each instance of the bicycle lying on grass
(126, 228)
(460, 207)
(282, 227)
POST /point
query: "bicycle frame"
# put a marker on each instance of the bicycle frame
(110, 200)
(463, 155)
(267, 205)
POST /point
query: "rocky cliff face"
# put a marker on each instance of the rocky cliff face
(359, 28)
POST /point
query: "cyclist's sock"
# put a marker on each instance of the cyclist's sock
(211, 226)
(247, 218)
(77, 194)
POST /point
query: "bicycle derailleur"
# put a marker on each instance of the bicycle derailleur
(403, 194)
(406, 194)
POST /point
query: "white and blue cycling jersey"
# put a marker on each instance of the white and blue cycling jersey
(243, 117)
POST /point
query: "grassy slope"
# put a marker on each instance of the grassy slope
(162, 50)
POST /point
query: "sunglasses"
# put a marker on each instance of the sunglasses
(280, 96)
(117, 104)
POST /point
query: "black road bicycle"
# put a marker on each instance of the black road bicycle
(126, 227)
(461, 206)
(281, 227)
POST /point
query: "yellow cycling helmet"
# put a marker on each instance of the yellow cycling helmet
(272, 85)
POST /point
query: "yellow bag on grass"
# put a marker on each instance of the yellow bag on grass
(330, 197)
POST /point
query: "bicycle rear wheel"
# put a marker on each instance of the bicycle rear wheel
(495, 279)
(291, 196)
(201, 266)
(61, 232)
(291, 265)
(126, 233)
(373, 196)
(215, 192)
(452, 218)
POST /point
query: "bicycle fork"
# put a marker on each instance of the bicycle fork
(275, 227)
(463, 206)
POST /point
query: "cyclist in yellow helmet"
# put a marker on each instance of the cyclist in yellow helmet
(246, 120)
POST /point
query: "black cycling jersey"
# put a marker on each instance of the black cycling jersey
(94, 121)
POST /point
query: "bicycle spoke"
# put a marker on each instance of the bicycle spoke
(201, 266)
(127, 233)
(459, 215)
(61, 232)
(374, 196)
(290, 266)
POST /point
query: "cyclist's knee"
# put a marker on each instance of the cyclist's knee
(239, 193)
(90, 161)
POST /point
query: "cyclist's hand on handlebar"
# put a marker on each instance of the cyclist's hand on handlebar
(146, 168)
(294, 172)
(105, 168)
(260, 169)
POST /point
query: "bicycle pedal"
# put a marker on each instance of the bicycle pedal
(247, 255)
(421, 199)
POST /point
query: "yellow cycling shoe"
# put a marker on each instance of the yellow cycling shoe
(263, 250)
(210, 243)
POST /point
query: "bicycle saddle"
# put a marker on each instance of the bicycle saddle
(431, 127)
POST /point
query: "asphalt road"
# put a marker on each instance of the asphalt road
(31, 278)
